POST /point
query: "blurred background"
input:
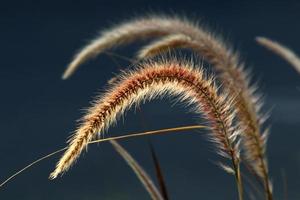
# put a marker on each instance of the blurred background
(39, 110)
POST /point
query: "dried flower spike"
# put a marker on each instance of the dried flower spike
(280, 50)
(137, 29)
(154, 79)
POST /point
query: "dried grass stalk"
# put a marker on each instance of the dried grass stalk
(138, 170)
(129, 135)
(281, 51)
(155, 79)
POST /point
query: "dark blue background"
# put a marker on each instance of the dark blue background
(39, 110)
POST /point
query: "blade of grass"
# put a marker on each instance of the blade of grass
(139, 171)
(159, 174)
(167, 130)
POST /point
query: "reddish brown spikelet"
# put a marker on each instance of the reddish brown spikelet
(156, 79)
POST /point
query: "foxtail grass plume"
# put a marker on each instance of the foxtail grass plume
(125, 33)
(232, 74)
(150, 80)
(281, 51)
